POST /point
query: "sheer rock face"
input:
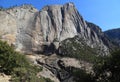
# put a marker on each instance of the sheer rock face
(31, 30)
(16, 24)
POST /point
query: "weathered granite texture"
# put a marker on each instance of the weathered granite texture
(33, 31)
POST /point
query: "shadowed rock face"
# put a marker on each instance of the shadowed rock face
(32, 30)
(102, 36)
(114, 35)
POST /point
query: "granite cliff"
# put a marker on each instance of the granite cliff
(33, 31)
(56, 38)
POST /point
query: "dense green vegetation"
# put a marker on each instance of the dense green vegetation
(81, 76)
(76, 48)
(106, 68)
(18, 66)
(109, 69)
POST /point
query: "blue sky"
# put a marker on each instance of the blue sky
(104, 13)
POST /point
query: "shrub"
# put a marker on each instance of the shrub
(9, 59)
(17, 65)
(77, 48)
(109, 69)
(1, 8)
(82, 76)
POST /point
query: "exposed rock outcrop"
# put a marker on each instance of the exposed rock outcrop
(33, 31)
(54, 29)
(106, 41)
(60, 69)
(16, 26)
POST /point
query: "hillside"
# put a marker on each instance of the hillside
(56, 39)
(114, 35)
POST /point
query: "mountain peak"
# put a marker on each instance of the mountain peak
(58, 6)
(69, 4)
(24, 6)
(35, 30)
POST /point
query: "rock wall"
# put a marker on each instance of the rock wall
(30, 30)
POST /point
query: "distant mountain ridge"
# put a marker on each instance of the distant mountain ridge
(114, 35)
